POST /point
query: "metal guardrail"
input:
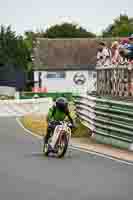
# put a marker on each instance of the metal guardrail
(110, 121)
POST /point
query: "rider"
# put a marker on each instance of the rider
(58, 112)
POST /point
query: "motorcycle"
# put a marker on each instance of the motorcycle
(59, 139)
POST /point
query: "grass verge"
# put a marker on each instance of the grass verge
(34, 123)
(38, 125)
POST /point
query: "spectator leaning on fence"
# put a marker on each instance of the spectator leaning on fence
(126, 49)
(123, 50)
(120, 53)
(103, 55)
(130, 49)
(124, 43)
(115, 53)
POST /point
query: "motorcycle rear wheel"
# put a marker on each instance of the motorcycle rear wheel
(45, 148)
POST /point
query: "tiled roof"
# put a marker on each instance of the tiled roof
(65, 53)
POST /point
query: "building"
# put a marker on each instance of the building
(65, 65)
(72, 79)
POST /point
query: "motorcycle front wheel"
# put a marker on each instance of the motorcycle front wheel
(62, 145)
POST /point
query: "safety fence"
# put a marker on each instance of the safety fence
(115, 80)
(110, 121)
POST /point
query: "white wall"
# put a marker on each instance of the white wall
(67, 84)
(7, 91)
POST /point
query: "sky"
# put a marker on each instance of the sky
(94, 15)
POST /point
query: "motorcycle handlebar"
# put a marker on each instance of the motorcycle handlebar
(61, 123)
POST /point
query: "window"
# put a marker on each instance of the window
(56, 75)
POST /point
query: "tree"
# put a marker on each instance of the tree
(67, 30)
(13, 49)
(122, 27)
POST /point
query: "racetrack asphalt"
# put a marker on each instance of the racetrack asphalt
(25, 174)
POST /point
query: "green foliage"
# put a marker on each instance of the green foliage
(29, 38)
(67, 30)
(13, 49)
(122, 27)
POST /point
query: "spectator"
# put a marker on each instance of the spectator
(115, 52)
(123, 50)
(130, 48)
(123, 56)
(103, 55)
(124, 43)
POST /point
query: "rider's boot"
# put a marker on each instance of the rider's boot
(47, 136)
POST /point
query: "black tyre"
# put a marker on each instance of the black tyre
(62, 146)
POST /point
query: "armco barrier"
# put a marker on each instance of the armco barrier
(110, 121)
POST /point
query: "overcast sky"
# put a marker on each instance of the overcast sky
(36, 14)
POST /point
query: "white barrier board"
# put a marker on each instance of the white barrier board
(21, 107)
